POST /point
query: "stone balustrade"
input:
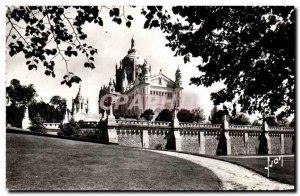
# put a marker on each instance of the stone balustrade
(284, 129)
(210, 139)
(245, 128)
(143, 123)
(51, 125)
(199, 125)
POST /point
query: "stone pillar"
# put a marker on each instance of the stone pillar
(104, 115)
(111, 128)
(178, 140)
(26, 121)
(202, 143)
(175, 120)
(146, 139)
(66, 117)
(266, 134)
(281, 143)
(176, 128)
(226, 134)
(246, 138)
(112, 135)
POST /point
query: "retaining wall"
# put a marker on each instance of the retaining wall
(202, 138)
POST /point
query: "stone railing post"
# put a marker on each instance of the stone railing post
(202, 142)
(146, 139)
(267, 137)
(282, 143)
(246, 139)
(111, 129)
(226, 134)
(176, 128)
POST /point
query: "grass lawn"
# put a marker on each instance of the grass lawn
(41, 163)
(285, 174)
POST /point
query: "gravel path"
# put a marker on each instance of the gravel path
(233, 177)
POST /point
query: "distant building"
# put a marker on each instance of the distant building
(80, 109)
(133, 77)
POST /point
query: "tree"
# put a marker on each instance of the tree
(239, 119)
(37, 124)
(164, 115)
(271, 121)
(15, 115)
(216, 116)
(292, 123)
(148, 114)
(284, 122)
(59, 103)
(48, 112)
(185, 115)
(256, 123)
(195, 115)
(250, 49)
(198, 115)
(44, 33)
(20, 95)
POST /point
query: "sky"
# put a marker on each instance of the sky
(113, 42)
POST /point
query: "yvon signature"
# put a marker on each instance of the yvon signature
(273, 161)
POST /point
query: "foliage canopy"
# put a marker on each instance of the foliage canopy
(250, 49)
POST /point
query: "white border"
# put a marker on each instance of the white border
(3, 4)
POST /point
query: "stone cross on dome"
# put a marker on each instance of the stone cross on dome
(132, 42)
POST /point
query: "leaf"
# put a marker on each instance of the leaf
(154, 23)
(83, 37)
(47, 72)
(31, 66)
(100, 22)
(129, 17)
(86, 64)
(128, 24)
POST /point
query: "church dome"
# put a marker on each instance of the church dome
(133, 56)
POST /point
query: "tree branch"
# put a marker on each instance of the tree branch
(59, 51)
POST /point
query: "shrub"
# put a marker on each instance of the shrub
(70, 129)
(164, 115)
(239, 119)
(198, 115)
(37, 125)
(148, 114)
(184, 115)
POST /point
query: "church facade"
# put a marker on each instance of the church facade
(136, 89)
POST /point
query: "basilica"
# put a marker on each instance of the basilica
(133, 77)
